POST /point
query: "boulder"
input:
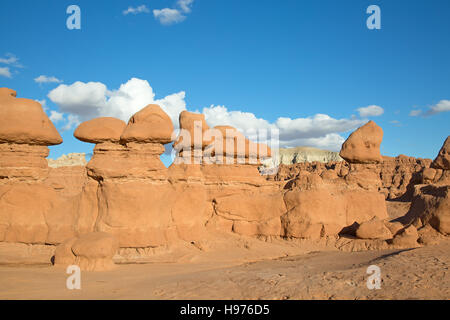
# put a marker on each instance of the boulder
(91, 252)
(363, 145)
(23, 121)
(98, 130)
(406, 238)
(149, 125)
(373, 229)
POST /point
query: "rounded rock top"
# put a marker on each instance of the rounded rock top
(150, 125)
(23, 121)
(98, 130)
(363, 145)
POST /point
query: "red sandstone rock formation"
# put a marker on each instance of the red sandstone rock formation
(363, 145)
(91, 252)
(30, 210)
(442, 161)
(127, 198)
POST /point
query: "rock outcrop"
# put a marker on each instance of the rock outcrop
(431, 202)
(30, 210)
(363, 145)
(25, 133)
(91, 252)
(288, 156)
(125, 197)
(442, 161)
(68, 160)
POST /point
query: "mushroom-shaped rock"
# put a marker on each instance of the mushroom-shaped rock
(235, 145)
(193, 126)
(98, 130)
(23, 121)
(363, 145)
(91, 252)
(442, 161)
(150, 125)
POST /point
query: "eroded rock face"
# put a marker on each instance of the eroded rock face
(125, 197)
(363, 145)
(318, 207)
(23, 121)
(150, 125)
(442, 161)
(91, 252)
(25, 133)
(431, 206)
(99, 130)
(31, 211)
(133, 194)
(374, 229)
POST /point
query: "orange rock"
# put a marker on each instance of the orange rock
(431, 205)
(363, 145)
(406, 238)
(373, 229)
(100, 130)
(150, 124)
(192, 126)
(91, 252)
(23, 121)
(442, 161)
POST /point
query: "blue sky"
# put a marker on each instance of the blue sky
(247, 63)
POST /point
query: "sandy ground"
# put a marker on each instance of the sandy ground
(420, 273)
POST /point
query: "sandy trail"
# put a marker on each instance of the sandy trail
(420, 273)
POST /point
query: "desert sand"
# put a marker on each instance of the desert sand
(420, 273)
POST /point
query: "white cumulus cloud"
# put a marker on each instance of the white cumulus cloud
(168, 16)
(55, 116)
(320, 130)
(93, 99)
(5, 72)
(140, 9)
(47, 79)
(441, 106)
(370, 111)
(185, 5)
(415, 113)
(84, 101)
(11, 59)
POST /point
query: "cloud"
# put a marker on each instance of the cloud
(370, 111)
(71, 122)
(140, 9)
(55, 116)
(45, 79)
(319, 130)
(84, 101)
(395, 123)
(11, 59)
(441, 106)
(415, 113)
(168, 16)
(5, 72)
(93, 99)
(185, 5)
